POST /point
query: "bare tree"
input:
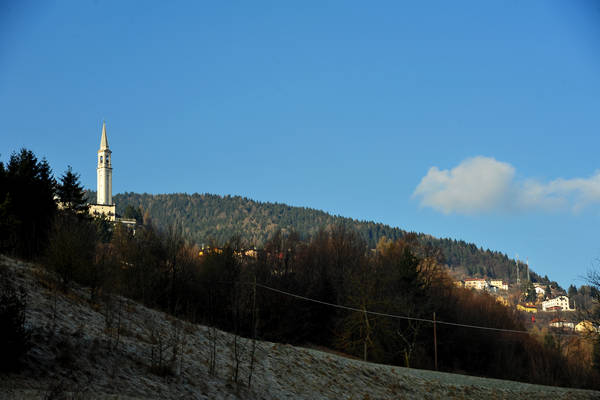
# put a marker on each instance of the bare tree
(593, 278)
(212, 354)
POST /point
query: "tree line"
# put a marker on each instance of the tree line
(29, 220)
(29, 199)
(202, 218)
(245, 294)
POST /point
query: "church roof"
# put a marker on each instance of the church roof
(104, 140)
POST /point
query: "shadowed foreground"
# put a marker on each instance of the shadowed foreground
(118, 349)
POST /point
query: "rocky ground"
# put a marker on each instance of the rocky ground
(118, 349)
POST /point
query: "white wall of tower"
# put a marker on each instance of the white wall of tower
(109, 186)
(104, 193)
(101, 187)
(104, 172)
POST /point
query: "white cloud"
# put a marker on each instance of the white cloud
(482, 184)
(576, 193)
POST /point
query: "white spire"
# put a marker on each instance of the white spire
(104, 140)
(104, 171)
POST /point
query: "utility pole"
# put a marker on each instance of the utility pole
(518, 278)
(368, 334)
(435, 341)
(254, 324)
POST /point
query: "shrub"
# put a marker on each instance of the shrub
(72, 249)
(14, 337)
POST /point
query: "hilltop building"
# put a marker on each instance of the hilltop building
(499, 283)
(104, 204)
(540, 291)
(476, 283)
(527, 307)
(493, 285)
(558, 323)
(560, 303)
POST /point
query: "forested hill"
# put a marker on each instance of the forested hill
(203, 218)
(206, 217)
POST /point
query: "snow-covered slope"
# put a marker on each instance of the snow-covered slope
(77, 353)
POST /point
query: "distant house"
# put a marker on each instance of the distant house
(502, 300)
(252, 253)
(562, 302)
(561, 324)
(249, 253)
(540, 291)
(476, 283)
(499, 283)
(209, 250)
(530, 308)
(586, 327)
(493, 285)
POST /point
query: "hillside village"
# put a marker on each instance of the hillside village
(550, 305)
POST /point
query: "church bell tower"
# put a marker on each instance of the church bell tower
(104, 171)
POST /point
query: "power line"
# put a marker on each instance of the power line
(398, 316)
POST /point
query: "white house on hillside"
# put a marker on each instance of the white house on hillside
(476, 283)
(558, 303)
(499, 283)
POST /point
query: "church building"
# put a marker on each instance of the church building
(104, 204)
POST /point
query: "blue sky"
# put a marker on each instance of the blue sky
(472, 120)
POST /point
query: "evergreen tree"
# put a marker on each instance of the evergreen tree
(8, 221)
(28, 199)
(528, 292)
(71, 193)
(572, 291)
(548, 292)
(134, 213)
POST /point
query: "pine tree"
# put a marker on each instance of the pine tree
(134, 213)
(71, 193)
(548, 292)
(8, 221)
(29, 187)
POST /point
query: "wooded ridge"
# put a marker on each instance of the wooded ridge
(208, 218)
